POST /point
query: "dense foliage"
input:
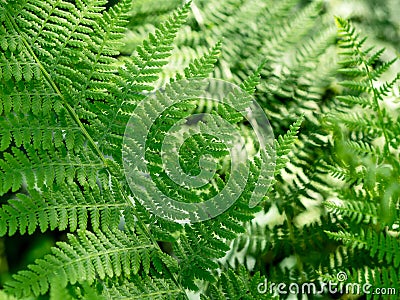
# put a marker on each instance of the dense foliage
(72, 73)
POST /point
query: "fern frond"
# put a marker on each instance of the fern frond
(239, 284)
(83, 258)
(202, 67)
(380, 246)
(358, 211)
(79, 86)
(384, 278)
(285, 144)
(138, 74)
(40, 167)
(360, 66)
(151, 56)
(364, 148)
(358, 122)
(136, 287)
(352, 100)
(67, 95)
(60, 207)
(39, 131)
(386, 88)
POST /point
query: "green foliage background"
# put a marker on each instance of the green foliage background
(332, 101)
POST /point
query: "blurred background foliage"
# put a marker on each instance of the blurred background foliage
(379, 20)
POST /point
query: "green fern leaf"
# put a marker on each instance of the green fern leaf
(85, 257)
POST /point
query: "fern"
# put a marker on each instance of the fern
(237, 285)
(85, 257)
(371, 166)
(68, 168)
(74, 74)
